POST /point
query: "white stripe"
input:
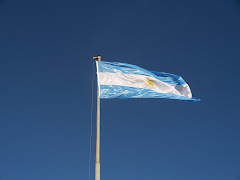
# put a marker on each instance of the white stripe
(98, 84)
(139, 81)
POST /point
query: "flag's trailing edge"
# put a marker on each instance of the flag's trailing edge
(120, 80)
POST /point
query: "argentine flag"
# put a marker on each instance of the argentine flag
(120, 80)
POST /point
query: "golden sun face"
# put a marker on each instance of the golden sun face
(149, 82)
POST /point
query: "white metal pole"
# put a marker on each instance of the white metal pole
(97, 164)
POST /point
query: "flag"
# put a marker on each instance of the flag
(121, 80)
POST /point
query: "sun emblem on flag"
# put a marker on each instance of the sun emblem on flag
(149, 82)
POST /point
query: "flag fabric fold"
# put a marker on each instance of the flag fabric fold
(121, 80)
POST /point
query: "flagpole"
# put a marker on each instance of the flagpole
(97, 164)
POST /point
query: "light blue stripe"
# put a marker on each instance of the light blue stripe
(169, 78)
(115, 67)
(124, 92)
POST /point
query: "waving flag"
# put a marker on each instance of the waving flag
(120, 80)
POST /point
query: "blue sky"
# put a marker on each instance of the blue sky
(46, 50)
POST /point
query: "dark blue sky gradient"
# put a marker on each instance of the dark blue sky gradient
(46, 50)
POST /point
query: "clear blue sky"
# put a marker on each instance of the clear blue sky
(46, 50)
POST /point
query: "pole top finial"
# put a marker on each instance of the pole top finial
(98, 58)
